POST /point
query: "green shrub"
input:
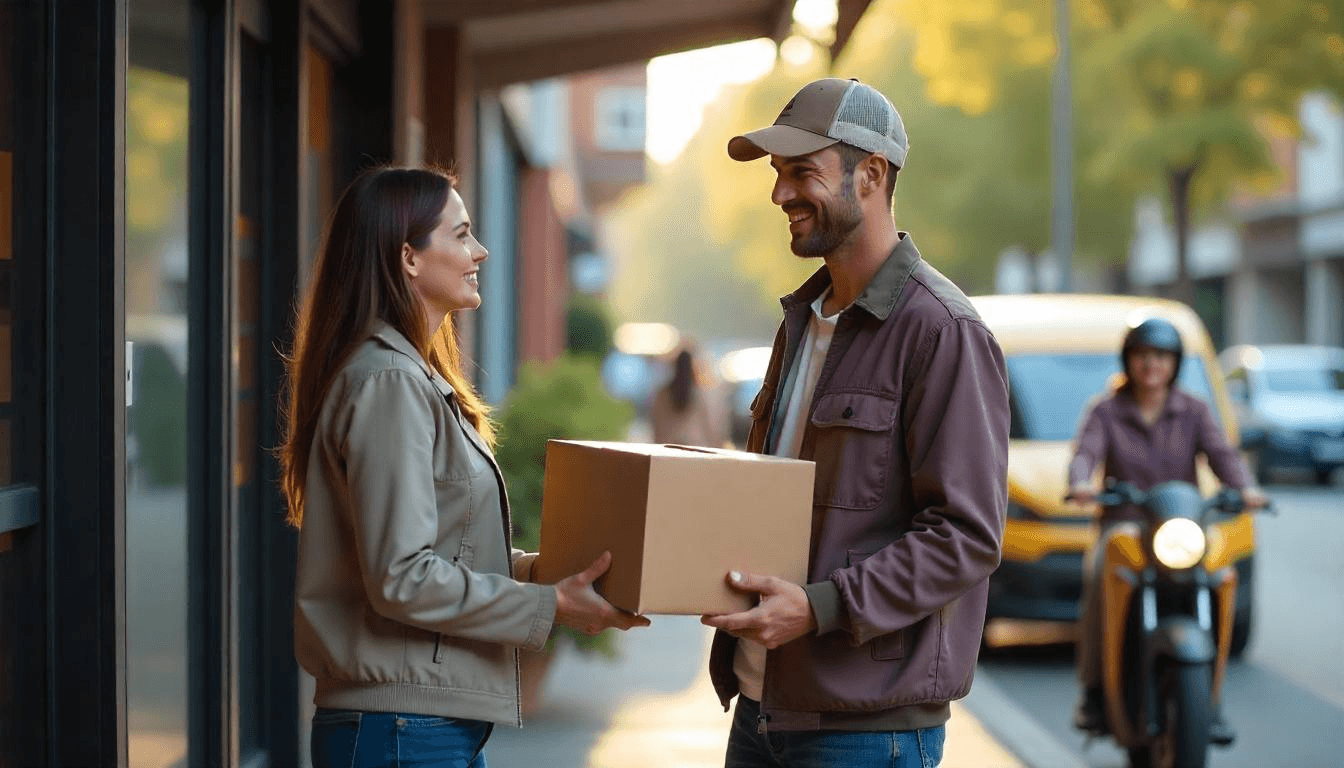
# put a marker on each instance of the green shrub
(564, 399)
(588, 327)
(158, 419)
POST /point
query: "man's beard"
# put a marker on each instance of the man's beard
(831, 226)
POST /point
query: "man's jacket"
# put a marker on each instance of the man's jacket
(909, 432)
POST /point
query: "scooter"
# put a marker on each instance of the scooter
(1167, 601)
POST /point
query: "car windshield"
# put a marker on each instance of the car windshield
(1304, 380)
(1049, 392)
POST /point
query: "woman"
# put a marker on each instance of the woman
(407, 611)
(680, 409)
(1147, 432)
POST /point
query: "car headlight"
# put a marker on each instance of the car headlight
(1179, 543)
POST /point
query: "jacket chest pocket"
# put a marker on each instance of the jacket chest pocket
(853, 439)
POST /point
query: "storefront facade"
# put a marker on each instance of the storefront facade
(166, 167)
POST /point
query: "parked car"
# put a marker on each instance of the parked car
(1062, 351)
(1290, 402)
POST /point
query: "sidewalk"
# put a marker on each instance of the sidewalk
(654, 708)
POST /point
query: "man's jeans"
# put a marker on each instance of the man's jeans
(345, 738)
(822, 749)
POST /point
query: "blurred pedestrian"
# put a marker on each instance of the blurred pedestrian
(883, 374)
(681, 411)
(1146, 432)
(409, 603)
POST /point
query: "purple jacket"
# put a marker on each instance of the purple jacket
(909, 431)
(1114, 437)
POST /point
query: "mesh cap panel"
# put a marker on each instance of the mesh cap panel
(868, 121)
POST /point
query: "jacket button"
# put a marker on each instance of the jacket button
(849, 411)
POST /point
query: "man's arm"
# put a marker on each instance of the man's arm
(956, 434)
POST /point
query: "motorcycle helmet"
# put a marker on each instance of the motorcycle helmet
(1154, 333)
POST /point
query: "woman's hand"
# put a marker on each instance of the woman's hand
(1254, 498)
(579, 606)
(1082, 494)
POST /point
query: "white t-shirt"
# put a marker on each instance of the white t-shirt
(749, 662)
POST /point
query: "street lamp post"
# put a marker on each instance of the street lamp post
(1061, 151)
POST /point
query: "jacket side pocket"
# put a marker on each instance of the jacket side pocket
(888, 647)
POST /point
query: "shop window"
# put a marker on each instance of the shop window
(620, 119)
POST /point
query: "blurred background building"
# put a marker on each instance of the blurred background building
(1272, 270)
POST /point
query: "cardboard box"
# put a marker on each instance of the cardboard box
(676, 520)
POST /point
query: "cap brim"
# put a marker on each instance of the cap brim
(782, 140)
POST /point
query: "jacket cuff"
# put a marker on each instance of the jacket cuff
(824, 599)
(543, 619)
(522, 565)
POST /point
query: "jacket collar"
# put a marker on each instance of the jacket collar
(393, 339)
(879, 298)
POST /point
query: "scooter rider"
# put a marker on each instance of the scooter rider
(1148, 431)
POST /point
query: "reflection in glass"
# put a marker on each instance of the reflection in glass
(156, 422)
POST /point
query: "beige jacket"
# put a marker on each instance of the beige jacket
(405, 597)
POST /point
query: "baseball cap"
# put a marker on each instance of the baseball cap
(825, 112)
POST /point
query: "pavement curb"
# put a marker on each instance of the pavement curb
(1017, 731)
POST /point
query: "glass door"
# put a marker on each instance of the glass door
(22, 597)
(158, 91)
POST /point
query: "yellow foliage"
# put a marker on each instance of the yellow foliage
(1188, 83)
(1017, 23)
(1335, 45)
(1256, 85)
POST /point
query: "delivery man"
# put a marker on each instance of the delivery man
(884, 375)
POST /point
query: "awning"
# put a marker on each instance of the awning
(519, 40)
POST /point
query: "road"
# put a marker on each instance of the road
(1286, 697)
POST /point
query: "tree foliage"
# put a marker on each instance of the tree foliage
(1171, 95)
(703, 247)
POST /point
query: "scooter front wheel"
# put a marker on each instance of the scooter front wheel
(1187, 702)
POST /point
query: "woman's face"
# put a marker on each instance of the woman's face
(1151, 369)
(444, 274)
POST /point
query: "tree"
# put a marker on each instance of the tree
(1174, 94)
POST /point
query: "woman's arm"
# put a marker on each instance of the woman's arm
(1224, 460)
(1089, 452)
(386, 436)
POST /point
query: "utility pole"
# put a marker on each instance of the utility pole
(1061, 150)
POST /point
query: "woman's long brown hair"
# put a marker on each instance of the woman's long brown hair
(359, 279)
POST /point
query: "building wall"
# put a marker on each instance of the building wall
(543, 283)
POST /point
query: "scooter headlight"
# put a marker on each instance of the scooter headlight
(1179, 543)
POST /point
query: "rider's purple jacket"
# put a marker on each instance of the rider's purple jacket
(909, 432)
(1114, 436)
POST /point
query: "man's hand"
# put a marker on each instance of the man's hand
(783, 614)
(579, 606)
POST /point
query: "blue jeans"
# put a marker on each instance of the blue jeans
(344, 738)
(821, 749)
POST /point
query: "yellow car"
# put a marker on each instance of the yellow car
(1062, 350)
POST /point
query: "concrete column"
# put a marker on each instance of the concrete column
(408, 99)
(1243, 306)
(1325, 302)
